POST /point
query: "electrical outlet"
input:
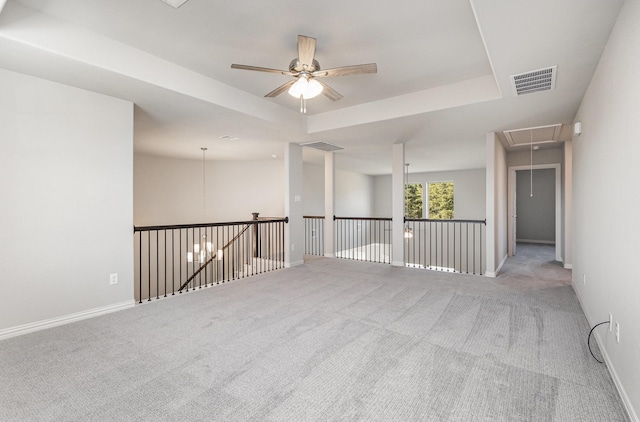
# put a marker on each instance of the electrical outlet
(584, 279)
(610, 323)
(617, 331)
(113, 278)
(293, 247)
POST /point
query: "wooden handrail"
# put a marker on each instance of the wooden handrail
(190, 226)
(213, 258)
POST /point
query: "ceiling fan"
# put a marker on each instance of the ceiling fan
(305, 69)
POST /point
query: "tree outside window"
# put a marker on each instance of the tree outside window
(441, 200)
(413, 195)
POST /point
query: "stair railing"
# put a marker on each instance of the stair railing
(169, 258)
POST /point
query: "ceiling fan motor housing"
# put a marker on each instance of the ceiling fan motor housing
(296, 66)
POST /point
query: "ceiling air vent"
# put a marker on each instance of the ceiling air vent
(229, 138)
(535, 81)
(324, 146)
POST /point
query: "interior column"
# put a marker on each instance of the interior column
(294, 230)
(329, 204)
(397, 205)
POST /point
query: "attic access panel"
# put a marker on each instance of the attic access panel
(534, 135)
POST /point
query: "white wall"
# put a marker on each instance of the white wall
(542, 156)
(496, 204)
(606, 198)
(567, 210)
(313, 199)
(66, 211)
(354, 193)
(170, 190)
(469, 192)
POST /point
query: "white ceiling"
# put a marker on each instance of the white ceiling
(442, 81)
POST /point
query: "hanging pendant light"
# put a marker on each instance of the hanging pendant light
(202, 249)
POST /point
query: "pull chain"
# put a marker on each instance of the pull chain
(204, 187)
(531, 165)
(303, 105)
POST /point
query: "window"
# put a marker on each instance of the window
(441, 200)
(413, 195)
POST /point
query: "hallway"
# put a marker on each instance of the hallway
(534, 266)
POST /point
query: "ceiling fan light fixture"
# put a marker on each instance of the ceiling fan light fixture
(175, 3)
(305, 88)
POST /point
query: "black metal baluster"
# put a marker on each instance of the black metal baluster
(218, 257)
(354, 228)
(149, 263)
(269, 249)
(140, 267)
(309, 229)
(321, 237)
(387, 250)
(202, 253)
(233, 254)
(480, 226)
(337, 238)
(360, 240)
(368, 234)
(225, 255)
(173, 267)
(180, 258)
(376, 236)
(474, 250)
(279, 245)
(448, 246)
(208, 255)
(165, 263)
(435, 239)
(157, 264)
(193, 256)
(467, 242)
(454, 246)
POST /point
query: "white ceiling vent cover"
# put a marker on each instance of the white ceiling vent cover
(534, 81)
(324, 146)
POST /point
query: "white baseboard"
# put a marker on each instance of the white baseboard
(398, 263)
(65, 319)
(495, 274)
(568, 266)
(633, 416)
(293, 264)
(329, 255)
(543, 242)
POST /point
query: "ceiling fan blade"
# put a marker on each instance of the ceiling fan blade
(282, 88)
(329, 92)
(261, 69)
(357, 69)
(306, 50)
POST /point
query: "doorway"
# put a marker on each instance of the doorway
(536, 228)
